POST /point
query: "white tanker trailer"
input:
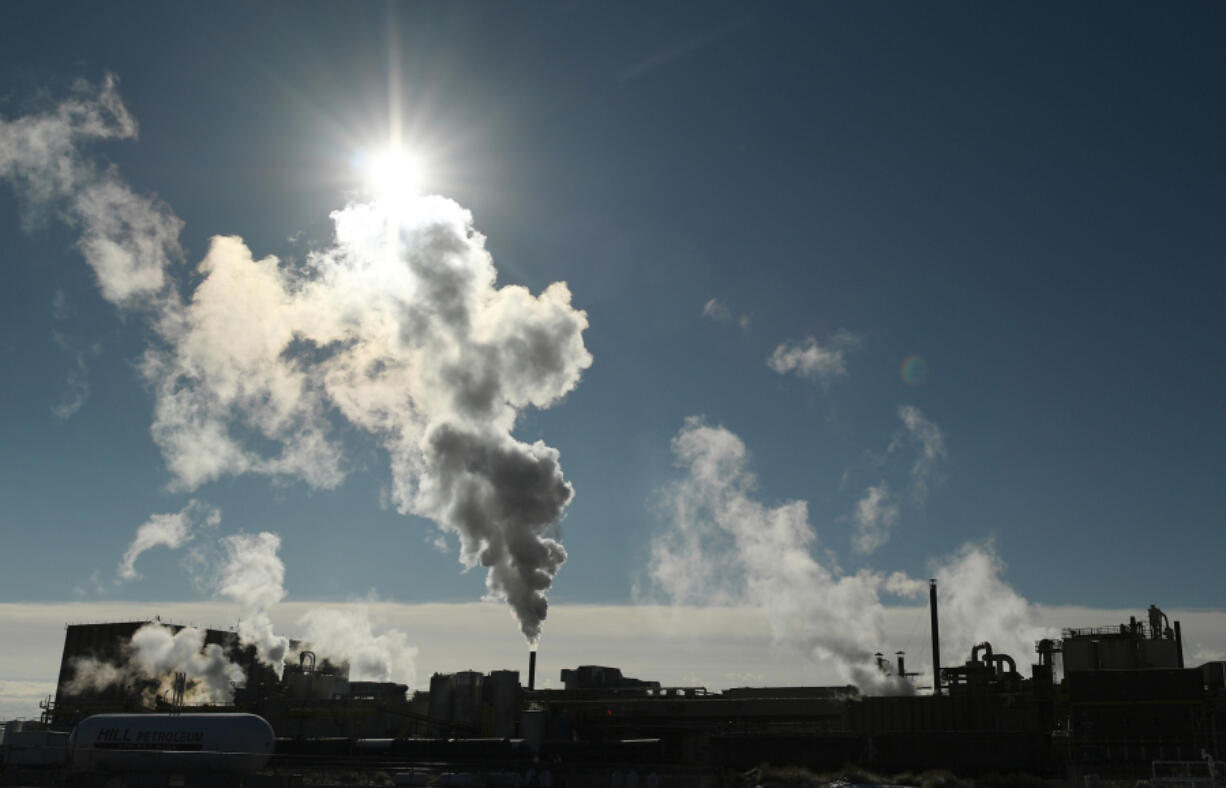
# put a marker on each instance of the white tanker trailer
(175, 743)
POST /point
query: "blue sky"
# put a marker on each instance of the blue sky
(1028, 198)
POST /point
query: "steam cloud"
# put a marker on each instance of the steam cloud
(977, 605)
(167, 530)
(155, 654)
(349, 636)
(398, 329)
(254, 576)
(723, 546)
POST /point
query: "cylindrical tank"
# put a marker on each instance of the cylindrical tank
(532, 727)
(231, 743)
(502, 691)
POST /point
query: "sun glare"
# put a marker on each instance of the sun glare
(394, 175)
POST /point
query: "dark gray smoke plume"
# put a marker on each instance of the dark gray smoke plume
(399, 329)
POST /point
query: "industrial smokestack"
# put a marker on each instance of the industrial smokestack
(1179, 643)
(902, 668)
(532, 669)
(936, 638)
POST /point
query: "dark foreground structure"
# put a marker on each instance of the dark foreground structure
(1125, 706)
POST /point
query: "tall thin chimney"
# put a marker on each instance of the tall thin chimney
(1179, 643)
(936, 638)
(532, 669)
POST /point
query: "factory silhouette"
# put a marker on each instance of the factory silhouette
(1110, 702)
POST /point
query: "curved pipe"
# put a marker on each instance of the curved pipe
(1001, 658)
(987, 647)
(302, 659)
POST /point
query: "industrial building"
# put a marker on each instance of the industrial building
(1113, 701)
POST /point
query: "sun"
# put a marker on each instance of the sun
(394, 175)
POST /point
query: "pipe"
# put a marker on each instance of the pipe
(987, 647)
(999, 658)
(936, 638)
(902, 668)
(532, 670)
(1179, 643)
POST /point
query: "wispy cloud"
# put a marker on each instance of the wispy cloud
(929, 442)
(719, 312)
(171, 530)
(880, 506)
(76, 384)
(875, 515)
(76, 388)
(126, 238)
(680, 50)
(810, 359)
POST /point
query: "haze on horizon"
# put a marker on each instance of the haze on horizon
(785, 308)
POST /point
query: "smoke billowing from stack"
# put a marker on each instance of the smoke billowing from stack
(253, 576)
(397, 329)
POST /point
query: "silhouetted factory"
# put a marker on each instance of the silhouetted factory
(1125, 706)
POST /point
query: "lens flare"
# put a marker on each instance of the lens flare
(914, 370)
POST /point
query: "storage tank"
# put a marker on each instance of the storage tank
(230, 743)
(1080, 654)
(1160, 654)
(1117, 653)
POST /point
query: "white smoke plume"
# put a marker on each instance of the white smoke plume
(152, 657)
(976, 605)
(724, 546)
(929, 443)
(160, 653)
(810, 359)
(399, 329)
(349, 636)
(254, 576)
(880, 506)
(172, 530)
(127, 239)
(875, 515)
